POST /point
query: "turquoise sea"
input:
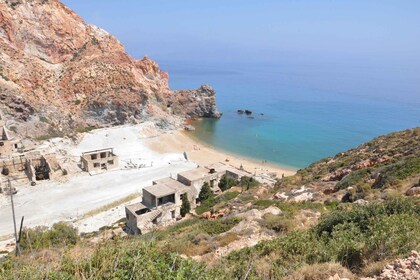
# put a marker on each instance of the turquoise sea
(302, 112)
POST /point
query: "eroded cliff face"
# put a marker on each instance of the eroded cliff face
(58, 73)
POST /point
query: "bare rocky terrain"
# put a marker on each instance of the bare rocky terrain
(59, 75)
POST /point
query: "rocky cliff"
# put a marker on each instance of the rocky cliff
(58, 73)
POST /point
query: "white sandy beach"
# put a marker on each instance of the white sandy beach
(202, 154)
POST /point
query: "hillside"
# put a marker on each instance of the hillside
(58, 74)
(259, 235)
(389, 163)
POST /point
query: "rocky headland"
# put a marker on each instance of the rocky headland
(59, 74)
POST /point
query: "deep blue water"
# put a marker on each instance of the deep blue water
(309, 111)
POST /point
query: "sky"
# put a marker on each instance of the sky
(267, 30)
(376, 41)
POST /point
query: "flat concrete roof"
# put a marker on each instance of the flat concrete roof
(196, 174)
(174, 184)
(218, 166)
(99, 151)
(136, 207)
(221, 167)
(238, 171)
(160, 190)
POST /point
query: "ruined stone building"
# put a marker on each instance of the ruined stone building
(210, 174)
(161, 205)
(8, 145)
(99, 160)
(195, 178)
(161, 202)
(29, 168)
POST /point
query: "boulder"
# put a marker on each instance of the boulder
(413, 191)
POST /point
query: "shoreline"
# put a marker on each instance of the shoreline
(179, 141)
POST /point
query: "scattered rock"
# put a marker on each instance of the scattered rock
(361, 202)
(189, 128)
(271, 210)
(414, 190)
(401, 269)
(216, 215)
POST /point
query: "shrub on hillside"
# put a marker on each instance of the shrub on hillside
(59, 235)
(227, 182)
(127, 259)
(248, 182)
(205, 192)
(352, 179)
(354, 237)
(278, 223)
(391, 175)
(320, 271)
(186, 206)
(219, 226)
(206, 205)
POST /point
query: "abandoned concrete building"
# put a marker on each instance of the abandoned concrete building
(99, 160)
(161, 204)
(196, 177)
(210, 174)
(30, 168)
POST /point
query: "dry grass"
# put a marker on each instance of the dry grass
(320, 271)
(373, 269)
(225, 239)
(109, 206)
(203, 247)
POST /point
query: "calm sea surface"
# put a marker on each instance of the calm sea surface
(302, 113)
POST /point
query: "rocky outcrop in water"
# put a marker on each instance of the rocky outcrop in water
(196, 103)
(59, 73)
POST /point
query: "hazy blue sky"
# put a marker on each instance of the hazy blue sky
(356, 46)
(260, 30)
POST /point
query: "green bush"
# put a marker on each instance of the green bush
(264, 203)
(228, 196)
(186, 206)
(83, 129)
(277, 223)
(347, 244)
(352, 179)
(218, 226)
(354, 237)
(393, 235)
(362, 215)
(209, 203)
(248, 182)
(60, 235)
(392, 174)
(227, 182)
(205, 192)
(206, 205)
(43, 119)
(130, 259)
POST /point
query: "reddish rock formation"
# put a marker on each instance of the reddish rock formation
(72, 74)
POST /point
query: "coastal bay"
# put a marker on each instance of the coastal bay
(204, 154)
